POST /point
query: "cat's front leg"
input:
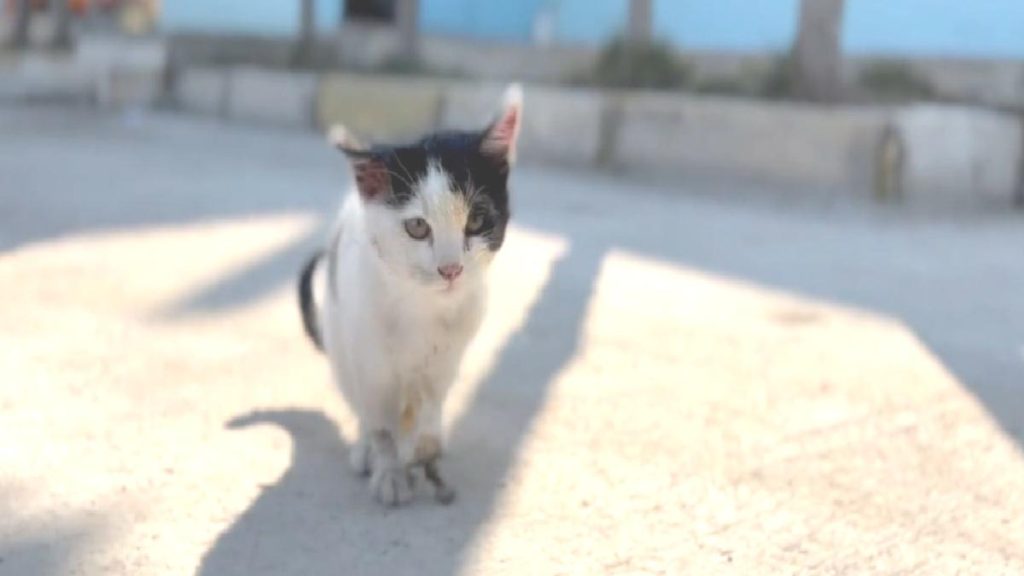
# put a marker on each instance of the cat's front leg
(391, 481)
(360, 455)
(429, 439)
(428, 451)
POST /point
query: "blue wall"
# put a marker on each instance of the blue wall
(589, 21)
(270, 17)
(742, 25)
(981, 28)
(502, 19)
(733, 25)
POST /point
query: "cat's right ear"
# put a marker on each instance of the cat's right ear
(371, 174)
(499, 139)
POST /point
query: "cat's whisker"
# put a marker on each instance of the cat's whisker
(401, 164)
(400, 178)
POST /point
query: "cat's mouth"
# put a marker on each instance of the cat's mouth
(435, 283)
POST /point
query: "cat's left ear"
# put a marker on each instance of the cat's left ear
(501, 136)
(371, 175)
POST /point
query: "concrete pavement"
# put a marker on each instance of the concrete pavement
(667, 382)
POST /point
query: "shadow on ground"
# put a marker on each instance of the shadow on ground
(45, 550)
(305, 500)
(66, 173)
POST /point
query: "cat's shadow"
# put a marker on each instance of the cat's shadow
(282, 531)
(319, 518)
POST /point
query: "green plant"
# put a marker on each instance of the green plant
(780, 80)
(404, 66)
(724, 85)
(899, 81)
(623, 64)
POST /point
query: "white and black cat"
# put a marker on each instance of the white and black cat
(403, 286)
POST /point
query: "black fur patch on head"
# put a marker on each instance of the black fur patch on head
(473, 173)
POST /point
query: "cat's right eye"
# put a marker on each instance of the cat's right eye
(417, 228)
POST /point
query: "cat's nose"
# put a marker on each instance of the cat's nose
(450, 271)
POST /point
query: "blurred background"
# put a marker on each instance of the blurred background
(759, 311)
(871, 61)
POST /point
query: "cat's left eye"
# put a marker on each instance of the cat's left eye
(417, 228)
(476, 223)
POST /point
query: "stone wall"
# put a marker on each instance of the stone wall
(940, 153)
(991, 82)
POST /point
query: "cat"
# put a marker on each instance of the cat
(402, 286)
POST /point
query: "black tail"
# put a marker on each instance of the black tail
(306, 302)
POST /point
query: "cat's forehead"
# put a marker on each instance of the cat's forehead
(438, 197)
(456, 153)
(449, 161)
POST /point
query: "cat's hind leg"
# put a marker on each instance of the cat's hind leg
(443, 493)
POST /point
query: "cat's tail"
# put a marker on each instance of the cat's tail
(307, 303)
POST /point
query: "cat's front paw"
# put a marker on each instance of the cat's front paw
(359, 458)
(391, 486)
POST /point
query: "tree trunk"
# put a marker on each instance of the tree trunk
(408, 16)
(306, 43)
(640, 16)
(62, 25)
(817, 56)
(22, 23)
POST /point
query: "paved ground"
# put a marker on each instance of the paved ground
(667, 383)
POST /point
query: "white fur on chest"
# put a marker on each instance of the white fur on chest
(421, 340)
(391, 340)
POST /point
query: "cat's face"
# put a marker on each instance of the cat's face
(436, 210)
